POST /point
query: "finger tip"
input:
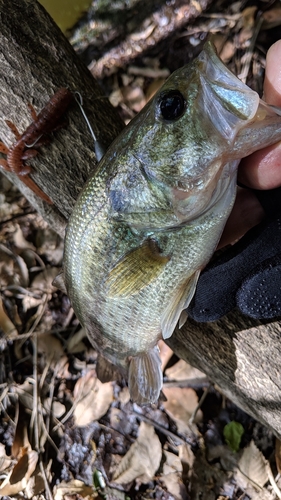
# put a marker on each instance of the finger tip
(272, 83)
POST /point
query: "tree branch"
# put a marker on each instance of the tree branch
(35, 60)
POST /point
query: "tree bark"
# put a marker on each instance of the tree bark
(241, 355)
(35, 61)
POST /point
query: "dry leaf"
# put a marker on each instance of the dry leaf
(94, 399)
(73, 488)
(172, 476)
(43, 281)
(52, 349)
(184, 371)
(252, 468)
(20, 475)
(143, 458)
(175, 486)
(278, 454)
(58, 409)
(75, 344)
(25, 393)
(180, 405)
(5, 461)
(272, 18)
(6, 324)
(20, 241)
(35, 485)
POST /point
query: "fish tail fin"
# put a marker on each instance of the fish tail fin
(145, 377)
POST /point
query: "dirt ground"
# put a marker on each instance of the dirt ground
(65, 434)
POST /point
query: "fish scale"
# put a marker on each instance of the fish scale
(151, 216)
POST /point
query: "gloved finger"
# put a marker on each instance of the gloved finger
(216, 291)
(260, 293)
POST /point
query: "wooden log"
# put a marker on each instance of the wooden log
(36, 60)
(242, 356)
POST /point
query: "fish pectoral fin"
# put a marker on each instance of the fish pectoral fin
(145, 377)
(180, 302)
(59, 283)
(136, 270)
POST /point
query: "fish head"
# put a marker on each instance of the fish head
(183, 149)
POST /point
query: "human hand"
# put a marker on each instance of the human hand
(248, 275)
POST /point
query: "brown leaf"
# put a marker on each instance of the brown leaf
(20, 475)
(143, 458)
(278, 454)
(74, 487)
(180, 405)
(252, 468)
(6, 324)
(94, 399)
(5, 461)
(272, 18)
(184, 371)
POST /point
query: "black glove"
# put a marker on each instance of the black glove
(248, 275)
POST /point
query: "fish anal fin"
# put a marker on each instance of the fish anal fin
(145, 377)
(59, 283)
(137, 269)
(180, 301)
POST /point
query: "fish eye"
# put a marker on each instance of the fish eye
(172, 105)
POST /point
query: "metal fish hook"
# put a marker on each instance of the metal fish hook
(98, 146)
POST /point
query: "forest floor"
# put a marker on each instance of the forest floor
(64, 434)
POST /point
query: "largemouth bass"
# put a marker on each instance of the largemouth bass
(150, 217)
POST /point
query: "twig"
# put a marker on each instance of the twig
(272, 481)
(249, 54)
(170, 434)
(202, 399)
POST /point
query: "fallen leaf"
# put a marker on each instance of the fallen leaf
(175, 486)
(58, 409)
(233, 432)
(278, 454)
(143, 458)
(20, 241)
(74, 343)
(184, 371)
(6, 324)
(43, 281)
(25, 393)
(51, 348)
(172, 476)
(94, 399)
(74, 488)
(252, 468)
(271, 18)
(180, 405)
(20, 475)
(5, 461)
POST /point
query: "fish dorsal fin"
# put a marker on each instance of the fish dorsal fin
(145, 377)
(180, 301)
(59, 283)
(136, 269)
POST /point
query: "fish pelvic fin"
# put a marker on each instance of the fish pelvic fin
(59, 283)
(180, 302)
(137, 269)
(145, 377)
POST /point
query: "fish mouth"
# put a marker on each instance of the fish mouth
(202, 197)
